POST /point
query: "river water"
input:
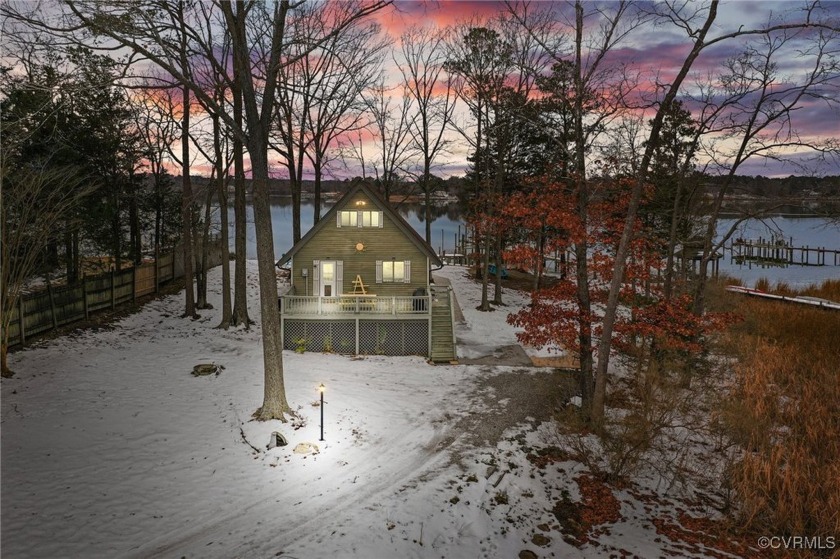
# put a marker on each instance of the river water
(799, 231)
(447, 224)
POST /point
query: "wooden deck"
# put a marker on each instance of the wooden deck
(400, 315)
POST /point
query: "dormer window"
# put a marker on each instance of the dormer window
(359, 218)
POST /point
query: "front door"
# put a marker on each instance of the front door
(327, 279)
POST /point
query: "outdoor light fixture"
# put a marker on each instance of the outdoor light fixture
(321, 389)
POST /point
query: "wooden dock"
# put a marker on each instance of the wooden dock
(781, 252)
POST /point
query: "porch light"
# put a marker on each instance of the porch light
(321, 389)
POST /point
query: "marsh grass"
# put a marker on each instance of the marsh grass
(784, 413)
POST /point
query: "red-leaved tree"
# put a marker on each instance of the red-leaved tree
(555, 317)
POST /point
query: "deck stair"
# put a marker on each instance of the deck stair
(442, 335)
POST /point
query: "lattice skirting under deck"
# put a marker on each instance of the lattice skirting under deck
(375, 337)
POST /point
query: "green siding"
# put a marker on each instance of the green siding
(381, 243)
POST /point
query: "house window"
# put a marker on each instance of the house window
(347, 219)
(369, 219)
(359, 218)
(393, 271)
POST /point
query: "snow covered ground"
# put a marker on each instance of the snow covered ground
(111, 448)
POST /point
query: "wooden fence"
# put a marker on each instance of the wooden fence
(59, 305)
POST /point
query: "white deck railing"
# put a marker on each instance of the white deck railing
(293, 305)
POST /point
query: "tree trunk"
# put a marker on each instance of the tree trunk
(135, 241)
(316, 214)
(485, 257)
(587, 387)
(116, 234)
(68, 255)
(5, 371)
(295, 185)
(497, 292)
(204, 261)
(427, 200)
(538, 265)
(158, 207)
(223, 217)
(498, 188)
(485, 271)
(584, 303)
(274, 405)
(240, 295)
(611, 309)
(668, 281)
(186, 209)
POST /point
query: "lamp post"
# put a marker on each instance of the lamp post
(321, 389)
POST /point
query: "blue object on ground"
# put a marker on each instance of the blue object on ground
(491, 269)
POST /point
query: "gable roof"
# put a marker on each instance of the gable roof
(382, 205)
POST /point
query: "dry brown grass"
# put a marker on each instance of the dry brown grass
(762, 284)
(829, 289)
(784, 412)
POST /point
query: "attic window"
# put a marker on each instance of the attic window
(369, 219)
(359, 218)
(348, 219)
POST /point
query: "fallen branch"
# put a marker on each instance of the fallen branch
(244, 438)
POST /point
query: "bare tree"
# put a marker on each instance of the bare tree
(320, 95)
(757, 115)
(240, 285)
(352, 64)
(178, 17)
(258, 118)
(423, 56)
(153, 30)
(391, 123)
(215, 80)
(699, 33)
(158, 131)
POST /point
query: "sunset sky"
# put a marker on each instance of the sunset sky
(654, 53)
(651, 52)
